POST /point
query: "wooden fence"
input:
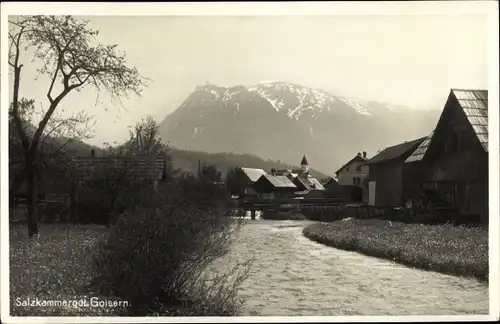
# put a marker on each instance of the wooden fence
(50, 209)
(284, 204)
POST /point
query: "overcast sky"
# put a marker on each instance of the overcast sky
(409, 60)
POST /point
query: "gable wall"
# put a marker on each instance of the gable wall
(349, 172)
(470, 163)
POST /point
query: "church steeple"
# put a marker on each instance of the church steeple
(304, 161)
(305, 166)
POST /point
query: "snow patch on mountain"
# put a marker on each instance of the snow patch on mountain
(298, 99)
(360, 105)
(309, 99)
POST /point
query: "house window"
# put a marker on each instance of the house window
(356, 181)
(358, 168)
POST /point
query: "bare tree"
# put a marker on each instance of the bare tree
(59, 131)
(144, 138)
(73, 60)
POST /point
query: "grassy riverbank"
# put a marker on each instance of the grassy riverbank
(443, 248)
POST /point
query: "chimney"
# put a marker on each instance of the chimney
(364, 154)
(359, 154)
(92, 153)
(273, 171)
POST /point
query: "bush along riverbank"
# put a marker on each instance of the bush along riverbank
(446, 249)
(156, 257)
(153, 261)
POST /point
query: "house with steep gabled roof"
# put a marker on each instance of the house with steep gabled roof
(274, 187)
(453, 160)
(247, 179)
(306, 185)
(309, 187)
(252, 174)
(354, 171)
(332, 187)
(281, 183)
(351, 178)
(386, 179)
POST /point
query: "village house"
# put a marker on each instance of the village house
(307, 186)
(452, 162)
(387, 178)
(351, 179)
(250, 177)
(274, 187)
(150, 170)
(279, 184)
(332, 188)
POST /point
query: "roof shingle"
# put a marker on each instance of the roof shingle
(138, 167)
(356, 158)
(253, 174)
(310, 183)
(396, 151)
(278, 181)
(474, 104)
(419, 153)
(286, 182)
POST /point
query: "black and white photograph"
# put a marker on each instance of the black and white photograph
(249, 161)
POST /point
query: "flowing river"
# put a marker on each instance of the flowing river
(294, 276)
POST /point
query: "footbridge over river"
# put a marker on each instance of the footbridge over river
(281, 205)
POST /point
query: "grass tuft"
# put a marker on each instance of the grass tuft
(54, 267)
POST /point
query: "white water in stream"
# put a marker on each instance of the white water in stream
(292, 275)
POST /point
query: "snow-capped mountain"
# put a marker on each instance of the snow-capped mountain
(305, 99)
(280, 120)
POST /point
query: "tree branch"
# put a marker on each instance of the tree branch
(53, 129)
(54, 77)
(45, 120)
(15, 105)
(58, 149)
(64, 44)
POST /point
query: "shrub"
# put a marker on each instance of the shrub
(92, 208)
(156, 256)
(55, 212)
